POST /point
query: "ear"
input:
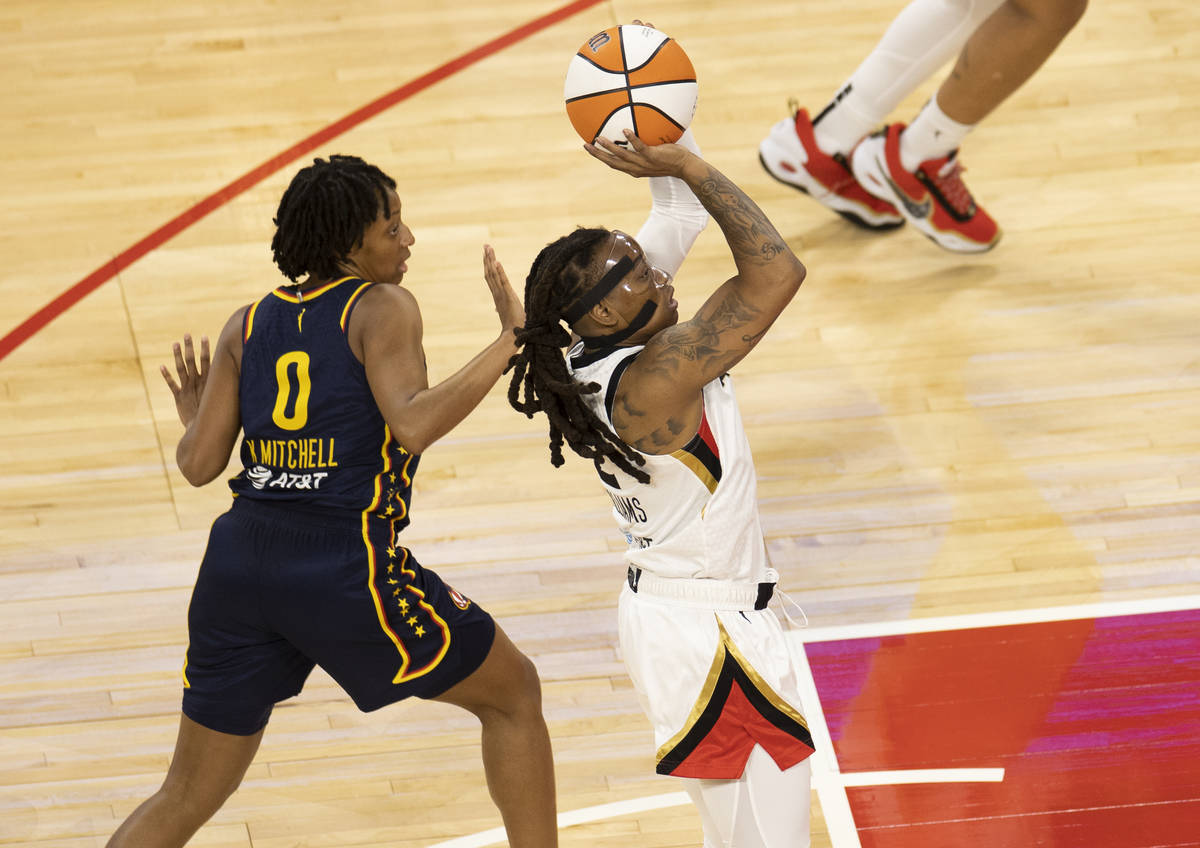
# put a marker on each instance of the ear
(603, 316)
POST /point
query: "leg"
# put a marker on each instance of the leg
(765, 808)
(206, 768)
(1003, 53)
(811, 154)
(505, 694)
(922, 38)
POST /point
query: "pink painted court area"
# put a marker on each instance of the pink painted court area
(1095, 721)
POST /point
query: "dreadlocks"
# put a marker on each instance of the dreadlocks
(558, 276)
(324, 213)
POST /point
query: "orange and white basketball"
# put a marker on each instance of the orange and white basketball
(631, 77)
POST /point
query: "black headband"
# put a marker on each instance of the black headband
(597, 292)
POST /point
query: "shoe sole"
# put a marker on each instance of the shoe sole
(853, 218)
(871, 174)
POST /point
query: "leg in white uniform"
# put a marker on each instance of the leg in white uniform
(764, 808)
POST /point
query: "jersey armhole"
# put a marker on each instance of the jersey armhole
(352, 302)
(610, 396)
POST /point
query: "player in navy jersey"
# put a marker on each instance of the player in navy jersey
(649, 400)
(325, 379)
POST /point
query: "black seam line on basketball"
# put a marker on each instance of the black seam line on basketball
(659, 111)
(649, 58)
(597, 93)
(597, 65)
(628, 92)
(661, 82)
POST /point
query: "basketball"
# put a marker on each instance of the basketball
(630, 77)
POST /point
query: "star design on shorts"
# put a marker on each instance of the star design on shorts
(391, 567)
(395, 593)
(411, 621)
(420, 631)
(402, 603)
(391, 552)
(392, 478)
(389, 510)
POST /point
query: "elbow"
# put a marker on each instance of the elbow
(194, 470)
(413, 446)
(796, 274)
(198, 476)
(413, 442)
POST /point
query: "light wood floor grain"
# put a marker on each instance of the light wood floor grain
(934, 433)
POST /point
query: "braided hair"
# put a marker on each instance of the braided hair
(324, 213)
(557, 278)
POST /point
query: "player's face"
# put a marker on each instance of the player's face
(643, 283)
(386, 245)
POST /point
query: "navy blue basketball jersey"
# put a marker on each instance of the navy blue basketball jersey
(312, 432)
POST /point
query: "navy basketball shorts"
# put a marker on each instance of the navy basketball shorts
(281, 589)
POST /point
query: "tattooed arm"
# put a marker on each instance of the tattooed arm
(658, 402)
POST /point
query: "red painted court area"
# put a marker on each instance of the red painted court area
(1096, 723)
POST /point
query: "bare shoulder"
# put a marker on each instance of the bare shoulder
(233, 334)
(388, 303)
(386, 315)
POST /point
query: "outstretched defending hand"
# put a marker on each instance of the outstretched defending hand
(508, 305)
(640, 159)
(192, 378)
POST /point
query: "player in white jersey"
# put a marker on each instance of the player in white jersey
(649, 400)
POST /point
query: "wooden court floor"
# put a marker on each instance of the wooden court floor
(936, 435)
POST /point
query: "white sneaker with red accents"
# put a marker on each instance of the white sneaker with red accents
(790, 154)
(933, 198)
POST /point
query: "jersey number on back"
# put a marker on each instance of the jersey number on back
(284, 382)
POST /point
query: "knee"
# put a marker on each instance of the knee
(520, 697)
(194, 801)
(527, 686)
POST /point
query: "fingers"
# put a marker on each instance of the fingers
(171, 384)
(205, 358)
(180, 367)
(189, 355)
(493, 271)
(185, 364)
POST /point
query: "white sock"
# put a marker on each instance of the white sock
(932, 135)
(922, 38)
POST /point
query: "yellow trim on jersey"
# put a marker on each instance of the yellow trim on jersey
(350, 302)
(378, 601)
(407, 482)
(187, 684)
(387, 466)
(401, 677)
(308, 295)
(725, 646)
(250, 321)
(697, 468)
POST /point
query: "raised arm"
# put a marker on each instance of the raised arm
(386, 330)
(206, 398)
(658, 399)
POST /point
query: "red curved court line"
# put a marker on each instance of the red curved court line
(36, 322)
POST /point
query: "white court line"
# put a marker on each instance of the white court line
(826, 774)
(829, 781)
(587, 814)
(895, 778)
(1104, 609)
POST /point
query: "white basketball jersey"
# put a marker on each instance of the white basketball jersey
(698, 515)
